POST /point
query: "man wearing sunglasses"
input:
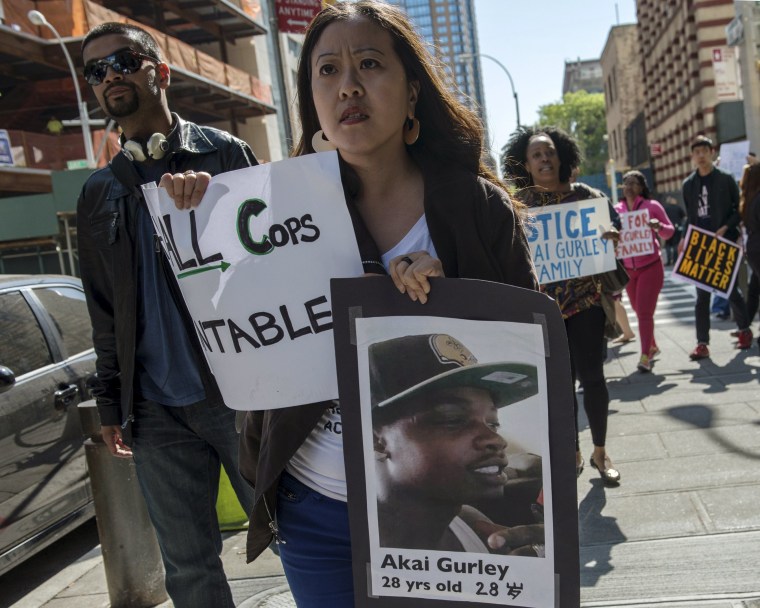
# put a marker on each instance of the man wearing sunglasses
(157, 400)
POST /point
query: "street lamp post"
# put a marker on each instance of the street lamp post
(465, 56)
(37, 18)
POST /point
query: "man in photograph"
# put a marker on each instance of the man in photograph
(437, 446)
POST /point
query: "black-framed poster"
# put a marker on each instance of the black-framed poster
(459, 445)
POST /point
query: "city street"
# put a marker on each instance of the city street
(682, 529)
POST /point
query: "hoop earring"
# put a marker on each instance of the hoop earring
(320, 143)
(411, 131)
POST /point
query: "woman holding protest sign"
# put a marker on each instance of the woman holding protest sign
(423, 205)
(540, 162)
(645, 272)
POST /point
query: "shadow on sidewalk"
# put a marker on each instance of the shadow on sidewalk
(701, 417)
(598, 534)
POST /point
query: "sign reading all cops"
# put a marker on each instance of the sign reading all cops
(566, 240)
(254, 262)
(708, 261)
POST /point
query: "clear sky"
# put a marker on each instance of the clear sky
(532, 39)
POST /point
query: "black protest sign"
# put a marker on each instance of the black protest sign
(708, 261)
(459, 445)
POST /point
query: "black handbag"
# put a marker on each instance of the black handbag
(613, 282)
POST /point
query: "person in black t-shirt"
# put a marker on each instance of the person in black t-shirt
(711, 196)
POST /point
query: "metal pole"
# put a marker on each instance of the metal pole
(506, 71)
(511, 84)
(613, 180)
(37, 18)
(131, 557)
(68, 244)
(276, 50)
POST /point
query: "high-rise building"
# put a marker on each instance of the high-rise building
(449, 25)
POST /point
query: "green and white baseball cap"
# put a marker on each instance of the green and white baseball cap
(402, 368)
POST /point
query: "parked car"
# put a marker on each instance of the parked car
(46, 359)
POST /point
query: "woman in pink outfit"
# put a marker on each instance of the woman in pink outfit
(646, 271)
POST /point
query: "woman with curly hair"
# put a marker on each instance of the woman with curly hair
(540, 162)
(646, 272)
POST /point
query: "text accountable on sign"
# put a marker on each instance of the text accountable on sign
(263, 328)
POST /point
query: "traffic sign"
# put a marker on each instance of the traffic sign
(294, 16)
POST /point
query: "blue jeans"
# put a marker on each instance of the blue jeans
(177, 453)
(316, 547)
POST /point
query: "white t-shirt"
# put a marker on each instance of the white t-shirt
(318, 463)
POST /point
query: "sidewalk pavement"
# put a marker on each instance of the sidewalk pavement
(683, 528)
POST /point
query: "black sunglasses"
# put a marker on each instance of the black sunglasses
(125, 61)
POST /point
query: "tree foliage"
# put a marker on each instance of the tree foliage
(582, 115)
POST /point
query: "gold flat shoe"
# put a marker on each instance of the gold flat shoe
(609, 475)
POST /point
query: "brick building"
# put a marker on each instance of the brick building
(623, 95)
(677, 39)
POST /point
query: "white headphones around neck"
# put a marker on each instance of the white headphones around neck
(156, 147)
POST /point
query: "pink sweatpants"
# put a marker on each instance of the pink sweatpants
(643, 289)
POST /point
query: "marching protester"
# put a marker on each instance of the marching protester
(646, 273)
(423, 206)
(711, 197)
(750, 213)
(540, 161)
(158, 405)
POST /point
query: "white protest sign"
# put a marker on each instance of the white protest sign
(254, 262)
(566, 240)
(733, 157)
(635, 234)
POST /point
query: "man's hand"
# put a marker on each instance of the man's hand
(681, 245)
(112, 438)
(410, 274)
(721, 231)
(517, 540)
(186, 189)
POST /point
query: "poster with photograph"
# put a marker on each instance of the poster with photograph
(455, 494)
(708, 261)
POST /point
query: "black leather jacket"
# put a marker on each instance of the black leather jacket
(106, 224)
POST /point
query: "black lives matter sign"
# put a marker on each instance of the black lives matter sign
(708, 261)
